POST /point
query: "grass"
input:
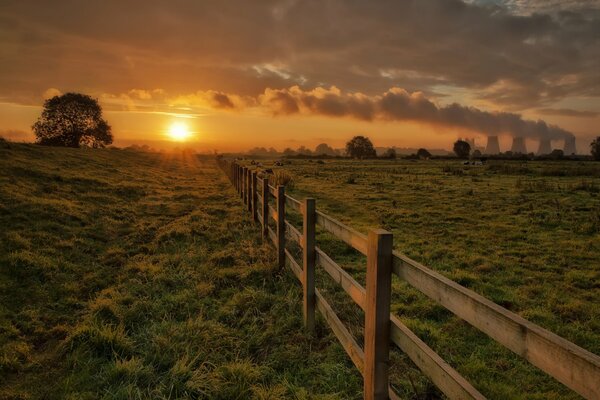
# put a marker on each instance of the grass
(127, 275)
(525, 235)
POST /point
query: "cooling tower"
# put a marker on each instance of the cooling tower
(493, 146)
(570, 148)
(545, 147)
(518, 145)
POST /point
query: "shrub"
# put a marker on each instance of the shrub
(282, 177)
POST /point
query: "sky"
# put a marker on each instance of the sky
(286, 73)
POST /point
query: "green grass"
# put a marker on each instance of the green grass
(525, 235)
(136, 275)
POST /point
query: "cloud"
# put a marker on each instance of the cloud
(397, 104)
(568, 112)
(16, 135)
(513, 54)
(50, 93)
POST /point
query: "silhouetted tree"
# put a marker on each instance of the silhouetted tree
(288, 152)
(72, 120)
(557, 154)
(595, 148)
(462, 149)
(360, 147)
(476, 154)
(390, 153)
(302, 150)
(324, 149)
(423, 154)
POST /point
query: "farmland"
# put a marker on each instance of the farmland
(524, 235)
(138, 275)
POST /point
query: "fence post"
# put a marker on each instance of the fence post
(244, 185)
(237, 178)
(377, 314)
(249, 189)
(265, 208)
(281, 226)
(308, 261)
(254, 197)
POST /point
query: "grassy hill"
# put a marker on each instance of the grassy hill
(138, 275)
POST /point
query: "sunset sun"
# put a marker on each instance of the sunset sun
(179, 131)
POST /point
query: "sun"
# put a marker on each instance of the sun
(179, 131)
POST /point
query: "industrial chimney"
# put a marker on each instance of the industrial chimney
(493, 146)
(518, 145)
(545, 147)
(570, 148)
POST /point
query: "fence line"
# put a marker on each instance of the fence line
(568, 363)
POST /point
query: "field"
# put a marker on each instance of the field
(525, 235)
(137, 275)
(126, 275)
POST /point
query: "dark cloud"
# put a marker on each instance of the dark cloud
(514, 60)
(568, 112)
(399, 105)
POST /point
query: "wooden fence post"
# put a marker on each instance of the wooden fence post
(237, 178)
(377, 314)
(254, 197)
(249, 189)
(265, 208)
(244, 185)
(308, 261)
(281, 226)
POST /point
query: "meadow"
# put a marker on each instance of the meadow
(524, 234)
(127, 275)
(131, 275)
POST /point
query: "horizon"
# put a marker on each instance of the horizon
(285, 74)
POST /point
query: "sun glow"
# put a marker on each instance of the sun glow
(179, 131)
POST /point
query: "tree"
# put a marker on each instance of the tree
(302, 150)
(72, 120)
(476, 154)
(360, 147)
(595, 148)
(288, 152)
(324, 149)
(557, 154)
(423, 154)
(462, 149)
(390, 153)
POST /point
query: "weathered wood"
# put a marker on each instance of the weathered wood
(249, 196)
(293, 233)
(341, 277)
(308, 263)
(254, 197)
(243, 184)
(281, 226)
(273, 213)
(293, 203)
(355, 239)
(377, 314)
(296, 268)
(344, 336)
(272, 235)
(450, 382)
(575, 367)
(272, 190)
(265, 207)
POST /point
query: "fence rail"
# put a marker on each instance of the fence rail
(568, 363)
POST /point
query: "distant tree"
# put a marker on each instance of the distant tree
(360, 147)
(462, 149)
(288, 152)
(272, 151)
(72, 120)
(557, 154)
(423, 154)
(476, 154)
(302, 150)
(390, 153)
(595, 148)
(324, 149)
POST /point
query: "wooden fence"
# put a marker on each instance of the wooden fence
(574, 366)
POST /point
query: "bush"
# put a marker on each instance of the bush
(282, 177)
